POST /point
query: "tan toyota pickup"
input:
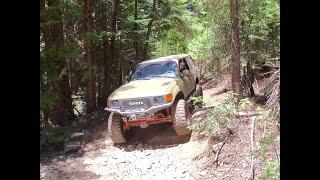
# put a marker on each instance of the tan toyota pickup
(155, 92)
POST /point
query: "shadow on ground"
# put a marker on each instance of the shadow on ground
(155, 136)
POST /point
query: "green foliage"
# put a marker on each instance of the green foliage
(272, 171)
(220, 116)
(47, 100)
(260, 30)
(263, 113)
(245, 102)
(58, 135)
(99, 37)
(197, 100)
(174, 42)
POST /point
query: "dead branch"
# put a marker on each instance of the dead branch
(247, 114)
(77, 111)
(252, 149)
(274, 144)
(264, 128)
(219, 150)
(202, 109)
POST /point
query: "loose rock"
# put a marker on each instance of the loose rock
(140, 145)
(71, 146)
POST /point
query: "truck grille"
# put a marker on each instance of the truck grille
(136, 104)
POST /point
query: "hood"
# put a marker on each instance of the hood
(143, 88)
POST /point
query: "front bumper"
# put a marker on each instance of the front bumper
(151, 110)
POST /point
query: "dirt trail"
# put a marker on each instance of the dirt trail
(152, 153)
(157, 153)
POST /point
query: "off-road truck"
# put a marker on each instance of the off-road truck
(154, 92)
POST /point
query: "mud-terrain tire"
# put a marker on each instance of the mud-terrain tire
(181, 117)
(116, 131)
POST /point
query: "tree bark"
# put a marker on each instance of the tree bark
(146, 46)
(91, 94)
(106, 84)
(235, 49)
(45, 30)
(135, 29)
(112, 42)
(62, 110)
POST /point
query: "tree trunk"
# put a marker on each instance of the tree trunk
(235, 49)
(250, 77)
(45, 30)
(91, 94)
(218, 67)
(113, 50)
(135, 29)
(62, 110)
(146, 46)
(106, 71)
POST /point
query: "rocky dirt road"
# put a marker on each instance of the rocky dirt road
(157, 153)
(152, 153)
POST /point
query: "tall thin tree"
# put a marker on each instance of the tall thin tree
(91, 94)
(135, 28)
(62, 110)
(153, 14)
(235, 49)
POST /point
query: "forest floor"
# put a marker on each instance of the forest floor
(158, 153)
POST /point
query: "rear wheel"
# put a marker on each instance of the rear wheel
(181, 118)
(116, 130)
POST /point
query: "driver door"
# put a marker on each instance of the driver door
(187, 81)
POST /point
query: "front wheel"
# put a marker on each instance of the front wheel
(181, 118)
(116, 130)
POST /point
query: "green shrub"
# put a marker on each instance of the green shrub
(55, 136)
(197, 100)
(221, 115)
(271, 171)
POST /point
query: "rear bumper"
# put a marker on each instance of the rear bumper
(151, 110)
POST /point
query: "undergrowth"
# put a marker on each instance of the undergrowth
(221, 117)
(217, 118)
(56, 136)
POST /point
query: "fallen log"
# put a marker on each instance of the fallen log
(247, 114)
(203, 109)
(252, 148)
(219, 150)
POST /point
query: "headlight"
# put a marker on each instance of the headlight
(158, 99)
(114, 103)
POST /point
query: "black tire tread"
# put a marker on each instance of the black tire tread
(117, 134)
(180, 123)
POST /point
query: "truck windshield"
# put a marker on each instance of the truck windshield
(155, 70)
